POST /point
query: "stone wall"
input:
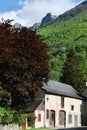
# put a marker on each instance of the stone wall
(9, 127)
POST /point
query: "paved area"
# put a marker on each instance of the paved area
(77, 128)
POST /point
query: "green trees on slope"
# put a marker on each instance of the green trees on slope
(67, 33)
(71, 71)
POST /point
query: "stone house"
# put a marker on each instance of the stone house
(60, 106)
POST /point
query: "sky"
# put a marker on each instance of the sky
(28, 12)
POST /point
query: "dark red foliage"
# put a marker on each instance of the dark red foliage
(23, 62)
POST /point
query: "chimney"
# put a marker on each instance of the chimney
(86, 83)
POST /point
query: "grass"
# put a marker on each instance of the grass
(42, 128)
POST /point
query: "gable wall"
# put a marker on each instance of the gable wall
(39, 110)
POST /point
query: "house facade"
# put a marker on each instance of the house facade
(60, 107)
(62, 111)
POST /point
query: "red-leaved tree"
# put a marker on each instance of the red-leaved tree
(23, 62)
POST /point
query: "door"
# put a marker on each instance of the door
(62, 118)
(52, 118)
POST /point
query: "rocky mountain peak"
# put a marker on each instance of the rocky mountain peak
(35, 26)
(45, 20)
(48, 18)
(17, 25)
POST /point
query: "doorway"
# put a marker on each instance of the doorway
(62, 118)
(52, 118)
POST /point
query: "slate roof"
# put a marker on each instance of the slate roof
(31, 106)
(84, 93)
(57, 88)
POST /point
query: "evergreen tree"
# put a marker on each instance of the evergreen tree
(71, 71)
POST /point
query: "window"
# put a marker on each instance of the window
(62, 102)
(70, 119)
(47, 114)
(80, 108)
(39, 117)
(72, 107)
(53, 116)
(76, 120)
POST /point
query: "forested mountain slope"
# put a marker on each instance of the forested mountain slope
(63, 34)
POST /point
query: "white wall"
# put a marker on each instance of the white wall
(53, 102)
(76, 112)
(39, 123)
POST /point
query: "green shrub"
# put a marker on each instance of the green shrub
(19, 117)
(6, 116)
(31, 119)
